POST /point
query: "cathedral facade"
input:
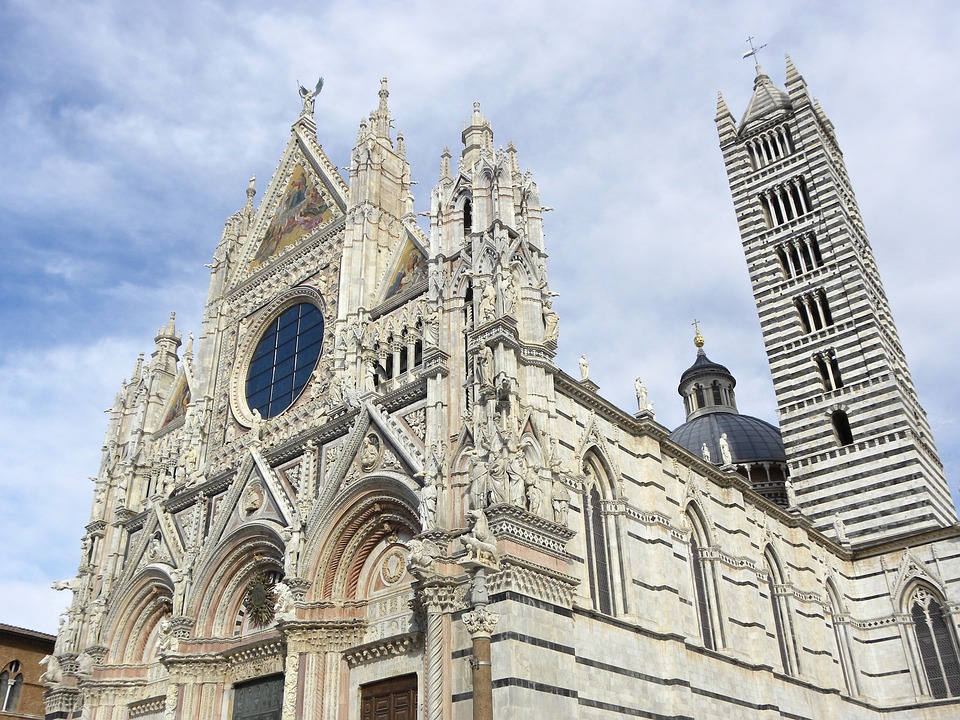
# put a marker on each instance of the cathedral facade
(367, 490)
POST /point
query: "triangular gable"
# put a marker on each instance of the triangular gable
(377, 444)
(176, 406)
(256, 495)
(408, 270)
(306, 195)
(910, 568)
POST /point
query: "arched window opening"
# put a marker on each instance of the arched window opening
(937, 646)
(839, 634)
(782, 622)
(598, 558)
(717, 397)
(11, 682)
(703, 585)
(841, 427)
(701, 399)
(467, 217)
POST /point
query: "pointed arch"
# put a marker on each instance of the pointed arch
(704, 578)
(780, 607)
(838, 621)
(933, 640)
(597, 488)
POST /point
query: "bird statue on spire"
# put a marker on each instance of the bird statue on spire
(309, 96)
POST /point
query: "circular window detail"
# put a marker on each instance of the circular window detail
(284, 359)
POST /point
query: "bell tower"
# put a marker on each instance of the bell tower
(861, 454)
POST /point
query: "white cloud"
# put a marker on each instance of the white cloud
(130, 132)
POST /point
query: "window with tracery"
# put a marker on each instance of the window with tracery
(11, 682)
(782, 619)
(936, 644)
(704, 586)
(598, 558)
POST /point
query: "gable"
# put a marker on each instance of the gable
(302, 208)
(409, 270)
(176, 407)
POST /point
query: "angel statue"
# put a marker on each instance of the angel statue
(309, 96)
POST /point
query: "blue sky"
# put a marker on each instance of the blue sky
(129, 131)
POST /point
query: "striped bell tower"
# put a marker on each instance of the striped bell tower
(861, 455)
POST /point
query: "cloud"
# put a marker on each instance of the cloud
(130, 132)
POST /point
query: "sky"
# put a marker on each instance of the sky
(128, 132)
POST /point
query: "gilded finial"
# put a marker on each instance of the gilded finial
(697, 338)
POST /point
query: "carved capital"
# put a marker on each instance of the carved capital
(480, 622)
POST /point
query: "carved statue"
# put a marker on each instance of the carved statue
(497, 488)
(551, 323)
(431, 325)
(309, 97)
(421, 558)
(485, 365)
(480, 542)
(534, 493)
(428, 506)
(488, 303)
(725, 453)
(705, 452)
(53, 673)
(561, 501)
(840, 529)
(642, 403)
(791, 493)
(478, 479)
(584, 368)
(85, 664)
(169, 643)
(284, 607)
(370, 453)
(516, 475)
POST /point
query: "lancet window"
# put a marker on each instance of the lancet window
(840, 634)
(704, 582)
(936, 644)
(785, 202)
(598, 547)
(782, 619)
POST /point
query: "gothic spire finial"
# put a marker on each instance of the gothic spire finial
(251, 188)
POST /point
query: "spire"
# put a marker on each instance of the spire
(251, 190)
(381, 118)
(796, 85)
(477, 136)
(724, 119)
(167, 341)
(445, 165)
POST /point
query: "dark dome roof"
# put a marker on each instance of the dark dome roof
(750, 439)
(704, 366)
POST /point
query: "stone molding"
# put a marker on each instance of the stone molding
(509, 522)
(399, 645)
(527, 578)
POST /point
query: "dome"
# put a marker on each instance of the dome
(767, 101)
(751, 439)
(703, 366)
